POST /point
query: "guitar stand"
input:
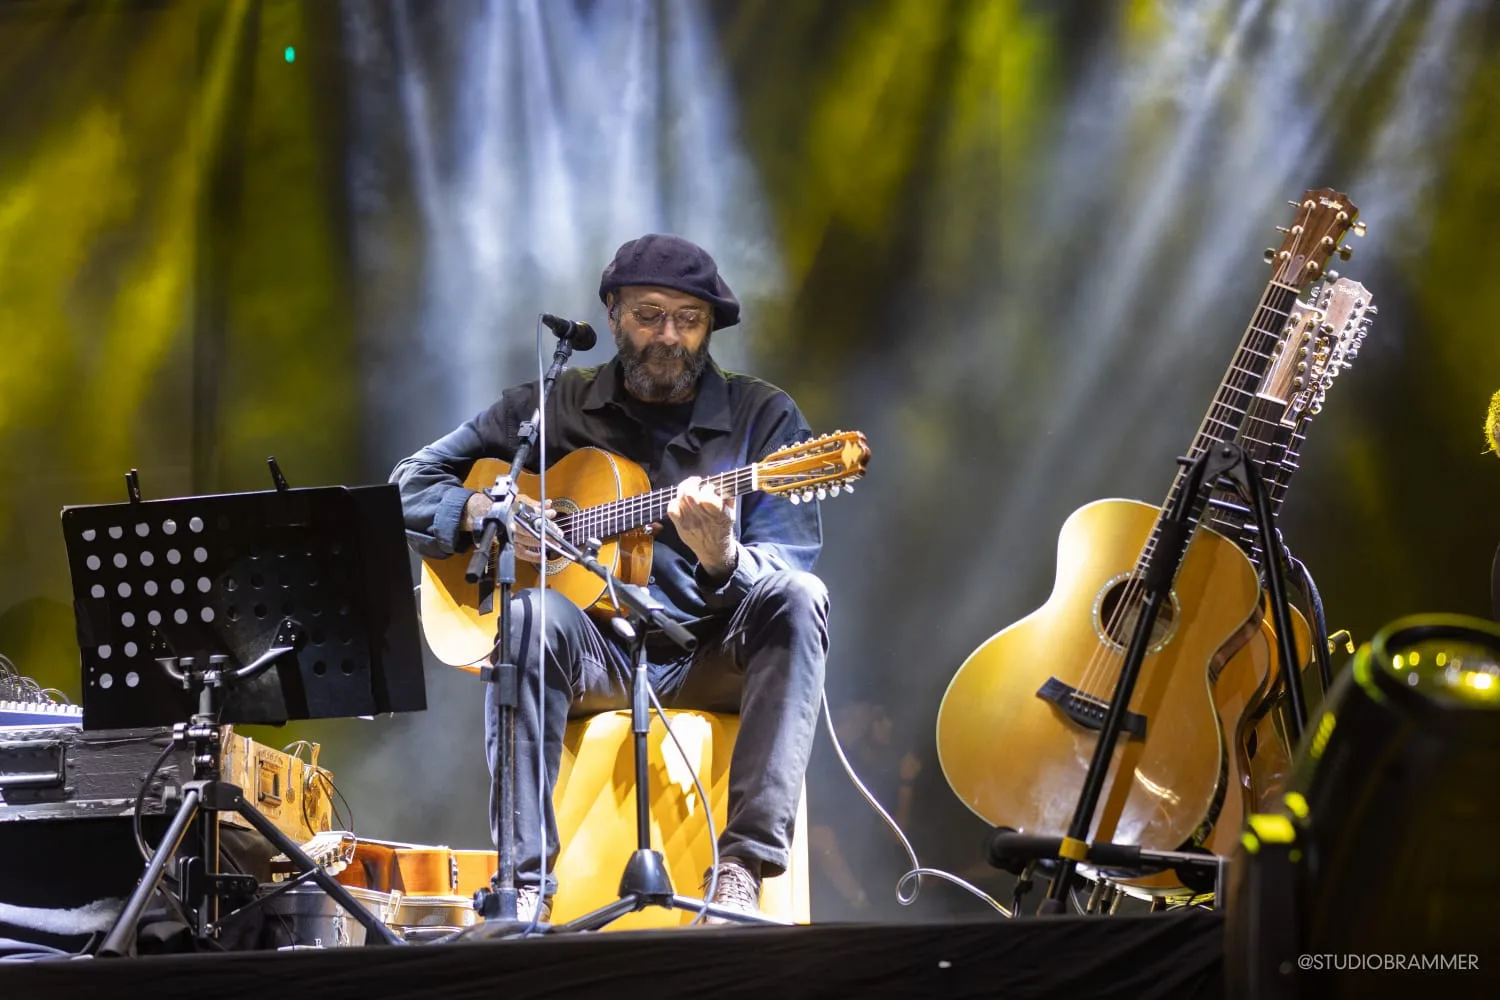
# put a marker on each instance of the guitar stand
(206, 796)
(1173, 533)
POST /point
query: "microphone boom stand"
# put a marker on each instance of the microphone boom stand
(498, 904)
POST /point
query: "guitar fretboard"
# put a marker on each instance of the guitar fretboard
(619, 516)
(1235, 398)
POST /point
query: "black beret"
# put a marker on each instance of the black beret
(672, 262)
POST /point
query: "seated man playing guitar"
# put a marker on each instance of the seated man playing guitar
(736, 571)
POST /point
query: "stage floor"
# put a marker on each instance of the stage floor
(1160, 955)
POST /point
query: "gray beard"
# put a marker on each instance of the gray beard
(645, 385)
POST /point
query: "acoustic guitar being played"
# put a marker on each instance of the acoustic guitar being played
(1019, 723)
(595, 494)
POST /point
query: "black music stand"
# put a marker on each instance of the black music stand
(258, 607)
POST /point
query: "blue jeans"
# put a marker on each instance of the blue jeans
(766, 664)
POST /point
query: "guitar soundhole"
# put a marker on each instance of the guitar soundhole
(1118, 608)
(564, 507)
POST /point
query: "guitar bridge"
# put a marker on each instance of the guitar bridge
(1086, 710)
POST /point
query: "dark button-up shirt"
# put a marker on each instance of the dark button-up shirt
(736, 421)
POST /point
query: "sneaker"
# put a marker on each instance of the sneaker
(738, 889)
(527, 897)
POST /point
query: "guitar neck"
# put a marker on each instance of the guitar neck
(607, 520)
(1236, 395)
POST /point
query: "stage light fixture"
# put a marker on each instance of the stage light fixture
(1379, 858)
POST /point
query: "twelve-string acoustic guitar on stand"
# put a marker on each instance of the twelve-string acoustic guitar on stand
(1018, 724)
(599, 495)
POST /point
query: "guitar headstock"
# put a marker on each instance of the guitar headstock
(1321, 338)
(1322, 218)
(822, 467)
(1348, 312)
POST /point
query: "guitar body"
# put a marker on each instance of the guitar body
(460, 634)
(1260, 752)
(1019, 760)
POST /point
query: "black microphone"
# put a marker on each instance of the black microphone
(580, 335)
(1010, 851)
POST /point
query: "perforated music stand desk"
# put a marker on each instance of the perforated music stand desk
(221, 574)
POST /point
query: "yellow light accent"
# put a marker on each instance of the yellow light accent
(1414, 659)
(1321, 737)
(1398, 662)
(1442, 659)
(1364, 678)
(1251, 844)
(1479, 681)
(1297, 802)
(1076, 850)
(1273, 829)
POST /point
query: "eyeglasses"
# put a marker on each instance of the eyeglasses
(685, 319)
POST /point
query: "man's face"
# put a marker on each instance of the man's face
(662, 337)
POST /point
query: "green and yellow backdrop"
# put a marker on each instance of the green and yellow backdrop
(1014, 242)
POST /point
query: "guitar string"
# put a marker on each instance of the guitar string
(1101, 673)
(615, 517)
(1106, 661)
(1101, 665)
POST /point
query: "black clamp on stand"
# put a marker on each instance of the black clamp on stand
(645, 881)
(1174, 531)
(241, 608)
(493, 567)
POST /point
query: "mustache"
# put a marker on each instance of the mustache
(665, 352)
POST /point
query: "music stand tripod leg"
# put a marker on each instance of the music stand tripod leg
(306, 865)
(121, 934)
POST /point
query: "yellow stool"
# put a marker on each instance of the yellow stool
(595, 806)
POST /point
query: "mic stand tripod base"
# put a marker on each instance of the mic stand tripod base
(646, 883)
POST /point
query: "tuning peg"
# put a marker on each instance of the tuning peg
(1345, 252)
(848, 487)
(1295, 204)
(833, 490)
(1359, 229)
(1372, 311)
(822, 493)
(1269, 255)
(795, 498)
(1332, 274)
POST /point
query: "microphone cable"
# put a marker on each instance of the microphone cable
(913, 876)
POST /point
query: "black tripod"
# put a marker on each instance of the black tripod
(206, 796)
